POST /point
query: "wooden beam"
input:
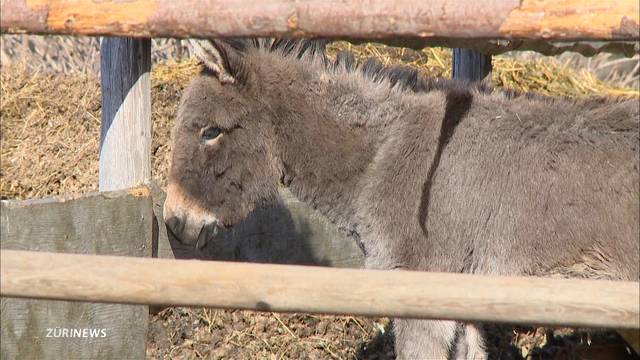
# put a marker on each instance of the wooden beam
(507, 19)
(109, 223)
(125, 128)
(292, 288)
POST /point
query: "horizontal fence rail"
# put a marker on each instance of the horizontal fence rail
(500, 19)
(289, 288)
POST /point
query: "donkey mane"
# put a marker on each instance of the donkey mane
(313, 51)
(403, 77)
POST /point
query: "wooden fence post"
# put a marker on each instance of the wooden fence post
(470, 65)
(125, 130)
(125, 124)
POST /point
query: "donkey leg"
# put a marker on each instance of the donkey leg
(470, 344)
(423, 339)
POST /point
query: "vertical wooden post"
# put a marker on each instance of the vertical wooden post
(125, 130)
(125, 133)
(470, 65)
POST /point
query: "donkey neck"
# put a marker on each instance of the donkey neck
(324, 139)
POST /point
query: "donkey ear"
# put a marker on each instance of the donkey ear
(217, 56)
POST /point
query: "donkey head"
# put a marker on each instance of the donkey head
(223, 163)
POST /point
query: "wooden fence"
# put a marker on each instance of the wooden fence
(107, 223)
(125, 163)
(291, 288)
(507, 19)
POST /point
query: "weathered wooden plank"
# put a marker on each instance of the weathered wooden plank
(292, 288)
(470, 65)
(287, 233)
(125, 128)
(508, 19)
(116, 223)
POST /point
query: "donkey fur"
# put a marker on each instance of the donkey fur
(432, 175)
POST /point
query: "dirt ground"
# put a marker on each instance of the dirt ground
(48, 146)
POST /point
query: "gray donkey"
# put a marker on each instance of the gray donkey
(430, 174)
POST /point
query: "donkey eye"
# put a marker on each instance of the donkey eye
(211, 133)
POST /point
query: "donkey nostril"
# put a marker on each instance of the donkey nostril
(207, 233)
(202, 237)
(175, 225)
(214, 231)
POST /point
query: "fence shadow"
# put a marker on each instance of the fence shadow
(286, 232)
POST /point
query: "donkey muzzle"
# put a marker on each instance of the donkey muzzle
(187, 221)
(185, 232)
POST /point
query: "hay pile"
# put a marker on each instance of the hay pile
(49, 125)
(544, 75)
(49, 132)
